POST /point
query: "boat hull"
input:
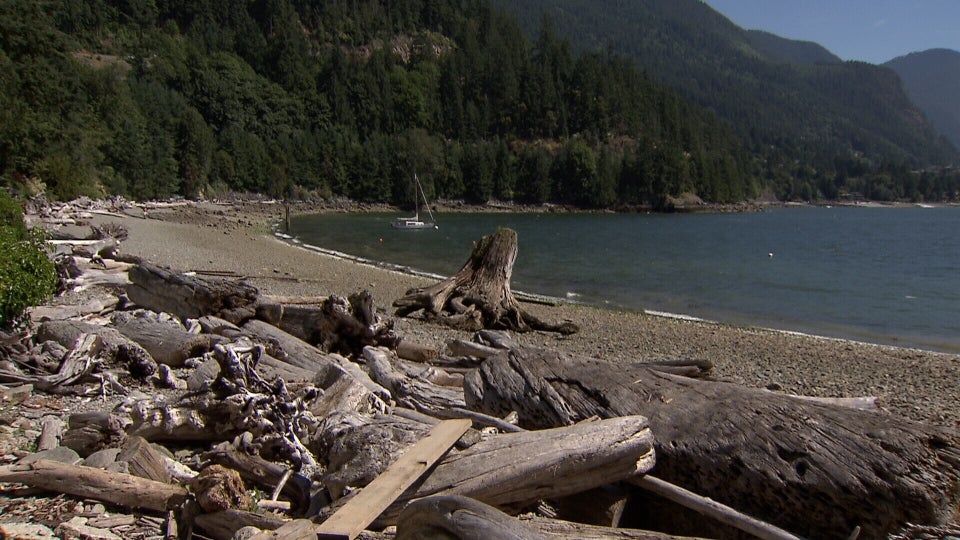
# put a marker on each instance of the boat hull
(413, 225)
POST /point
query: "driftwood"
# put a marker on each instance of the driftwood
(219, 488)
(511, 471)
(710, 508)
(347, 395)
(409, 350)
(479, 295)
(190, 297)
(143, 460)
(459, 347)
(116, 488)
(555, 528)
(468, 519)
(167, 341)
(89, 432)
(771, 456)
(354, 449)
(328, 368)
(50, 433)
(79, 363)
(117, 348)
(266, 474)
(601, 506)
(605, 505)
(460, 517)
(293, 350)
(413, 392)
(338, 325)
(223, 525)
(362, 509)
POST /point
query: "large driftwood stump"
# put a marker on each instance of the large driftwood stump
(479, 295)
(815, 469)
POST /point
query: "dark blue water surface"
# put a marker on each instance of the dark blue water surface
(884, 275)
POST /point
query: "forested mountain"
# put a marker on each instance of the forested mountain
(932, 80)
(812, 125)
(151, 99)
(777, 49)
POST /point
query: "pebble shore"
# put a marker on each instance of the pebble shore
(237, 239)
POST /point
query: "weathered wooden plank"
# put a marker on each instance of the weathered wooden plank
(363, 508)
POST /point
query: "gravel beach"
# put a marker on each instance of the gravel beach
(916, 384)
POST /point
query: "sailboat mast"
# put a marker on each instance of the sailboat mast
(424, 195)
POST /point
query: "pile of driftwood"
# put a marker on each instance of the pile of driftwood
(312, 417)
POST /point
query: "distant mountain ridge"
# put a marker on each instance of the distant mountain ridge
(779, 49)
(793, 102)
(932, 80)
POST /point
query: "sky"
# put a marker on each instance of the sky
(873, 31)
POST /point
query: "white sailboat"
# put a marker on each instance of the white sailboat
(415, 223)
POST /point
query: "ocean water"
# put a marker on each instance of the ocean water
(880, 275)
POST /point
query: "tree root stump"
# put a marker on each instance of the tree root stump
(479, 295)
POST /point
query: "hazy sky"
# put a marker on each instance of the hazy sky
(870, 30)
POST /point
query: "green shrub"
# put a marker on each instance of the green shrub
(27, 275)
(11, 214)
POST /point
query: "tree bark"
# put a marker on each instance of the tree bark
(771, 456)
(479, 295)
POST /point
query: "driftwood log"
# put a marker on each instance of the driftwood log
(190, 297)
(509, 471)
(338, 325)
(166, 340)
(774, 457)
(452, 516)
(117, 488)
(460, 517)
(80, 362)
(479, 295)
(410, 390)
(116, 347)
(329, 368)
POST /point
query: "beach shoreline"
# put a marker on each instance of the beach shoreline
(238, 238)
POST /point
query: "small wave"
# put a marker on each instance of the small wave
(678, 316)
(571, 294)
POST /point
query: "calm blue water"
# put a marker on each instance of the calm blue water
(883, 275)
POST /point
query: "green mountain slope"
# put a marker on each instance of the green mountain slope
(814, 114)
(777, 49)
(352, 97)
(340, 98)
(932, 80)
